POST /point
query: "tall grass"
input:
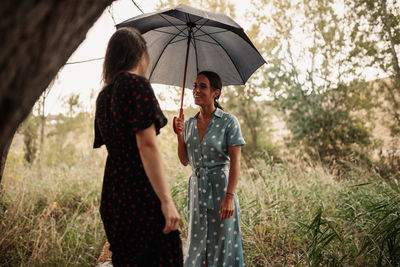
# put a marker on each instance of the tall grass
(49, 217)
(292, 214)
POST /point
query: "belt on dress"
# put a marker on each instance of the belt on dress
(205, 190)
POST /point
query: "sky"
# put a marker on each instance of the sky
(85, 78)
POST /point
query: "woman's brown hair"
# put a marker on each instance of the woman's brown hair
(215, 83)
(124, 51)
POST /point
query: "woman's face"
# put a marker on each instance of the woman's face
(203, 94)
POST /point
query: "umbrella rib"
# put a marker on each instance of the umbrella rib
(201, 19)
(175, 26)
(195, 52)
(180, 40)
(222, 31)
(226, 54)
(199, 40)
(201, 26)
(204, 34)
(185, 36)
(165, 47)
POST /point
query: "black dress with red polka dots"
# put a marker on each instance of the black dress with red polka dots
(130, 209)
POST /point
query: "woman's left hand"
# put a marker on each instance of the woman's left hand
(227, 207)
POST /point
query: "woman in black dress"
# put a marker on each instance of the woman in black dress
(138, 213)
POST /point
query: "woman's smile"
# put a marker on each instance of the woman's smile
(197, 96)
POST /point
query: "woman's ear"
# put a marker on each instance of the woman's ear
(218, 93)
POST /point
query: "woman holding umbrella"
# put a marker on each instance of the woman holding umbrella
(138, 213)
(208, 142)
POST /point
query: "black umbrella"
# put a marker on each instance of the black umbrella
(193, 40)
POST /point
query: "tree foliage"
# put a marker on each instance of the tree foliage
(375, 35)
(73, 103)
(326, 110)
(254, 116)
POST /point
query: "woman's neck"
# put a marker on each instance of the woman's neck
(137, 72)
(206, 112)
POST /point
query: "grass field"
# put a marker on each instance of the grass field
(292, 213)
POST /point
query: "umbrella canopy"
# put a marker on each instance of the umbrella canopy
(203, 40)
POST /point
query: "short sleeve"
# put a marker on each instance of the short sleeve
(98, 139)
(234, 135)
(140, 105)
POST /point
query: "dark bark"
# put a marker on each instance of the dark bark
(38, 37)
(42, 114)
(4, 153)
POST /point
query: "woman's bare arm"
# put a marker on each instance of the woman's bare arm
(152, 163)
(227, 205)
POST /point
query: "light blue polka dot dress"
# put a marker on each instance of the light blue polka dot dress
(220, 242)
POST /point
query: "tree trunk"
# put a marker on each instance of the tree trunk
(42, 121)
(41, 139)
(4, 153)
(38, 38)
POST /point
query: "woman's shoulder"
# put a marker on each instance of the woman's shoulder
(133, 85)
(104, 93)
(131, 78)
(225, 115)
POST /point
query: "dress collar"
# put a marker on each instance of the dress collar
(218, 113)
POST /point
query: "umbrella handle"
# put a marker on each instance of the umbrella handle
(174, 123)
